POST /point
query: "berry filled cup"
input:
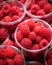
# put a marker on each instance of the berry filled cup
(48, 56)
(33, 36)
(10, 55)
(11, 13)
(33, 63)
(41, 9)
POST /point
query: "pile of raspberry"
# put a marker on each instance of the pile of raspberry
(8, 56)
(33, 35)
(10, 12)
(3, 35)
(40, 7)
(49, 57)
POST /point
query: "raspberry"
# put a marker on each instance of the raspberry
(35, 47)
(27, 43)
(42, 3)
(19, 59)
(2, 54)
(15, 10)
(24, 30)
(43, 31)
(48, 8)
(7, 19)
(16, 45)
(15, 17)
(32, 35)
(34, 8)
(38, 39)
(6, 8)
(19, 36)
(9, 42)
(40, 12)
(3, 34)
(10, 52)
(31, 24)
(1, 14)
(1, 1)
(10, 62)
(2, 62)
(13, 4)
(43, 43)
(23, 1)
(39, 24)
(49, 55)
(49, 62)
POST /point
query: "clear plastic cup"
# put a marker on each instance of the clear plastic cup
(12, 25)
(33, 63)
(45, 56)
(34, 54)
(15, 49)
(46, 17)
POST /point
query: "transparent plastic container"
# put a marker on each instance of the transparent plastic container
(33, 63)
(12, 25)
(45, 56)
(34, 54)
(15, 49)
(46, 17)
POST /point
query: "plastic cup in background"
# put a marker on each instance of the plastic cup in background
(33, 63)
(46, 57)
(47, 17)
(15, 49)
(10, 26)
(34, 54)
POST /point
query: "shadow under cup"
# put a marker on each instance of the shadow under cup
(10, 26)
(36, 55)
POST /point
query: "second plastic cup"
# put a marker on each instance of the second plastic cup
(34, 54)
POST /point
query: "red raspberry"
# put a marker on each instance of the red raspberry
(35, 47)
(34, 8)
(32, 35)
(38, 39)
(43, 31)
(7, 19)
(49, 55)
(40, 12)
(39, 24)
(1, 14)
(31, 24)
(13, 4)
(1, 1)
(19, 59)
(23, 1)
(3, 34)
(43, 43)
(10, 52)
(19, 36)
(48, 8)
(6, 8)
(2, 62)
(49, 62)
(27, 43)
(10, 62)
(42, 3)
(2, 54)
(23, 23)
(9, 42)
(24, 30)
(15, 10)
(15, 17)
(16, 45)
